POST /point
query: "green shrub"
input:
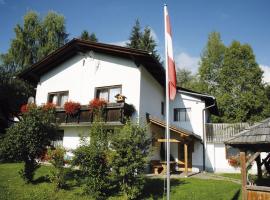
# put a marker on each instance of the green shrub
(130, 148)
(91, 157)
(56, 158)
(28, 139)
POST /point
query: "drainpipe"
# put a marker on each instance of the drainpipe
(204, 133)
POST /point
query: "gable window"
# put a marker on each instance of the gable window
(58, 98)
(108, 93)
(181, 114)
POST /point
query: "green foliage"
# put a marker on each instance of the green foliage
(14, 93)
(232, 75)
(135, 36)
(85, 35)
(211, 63)
(91, 157)
(130, 149)
(56, 158)
(186, 79)
(28, 139)
(142, 40)
(34, 39)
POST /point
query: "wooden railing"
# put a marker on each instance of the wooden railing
(114, 112)
(220, 132)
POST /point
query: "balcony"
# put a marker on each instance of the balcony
(114, 114)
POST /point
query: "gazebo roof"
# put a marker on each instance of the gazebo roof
(256, 137)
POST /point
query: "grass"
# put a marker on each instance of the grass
(12, 187)
(232, 175)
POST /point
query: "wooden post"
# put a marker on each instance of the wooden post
(243, 174)
(259, 166)
(186, 159)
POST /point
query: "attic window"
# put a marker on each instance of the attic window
(58, 98)
(108, 93)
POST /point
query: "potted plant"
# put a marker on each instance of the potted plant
(72, 109)
(97, 107)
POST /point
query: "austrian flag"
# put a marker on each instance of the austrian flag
(169, 53)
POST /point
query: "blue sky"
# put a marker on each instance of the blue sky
(192, 20)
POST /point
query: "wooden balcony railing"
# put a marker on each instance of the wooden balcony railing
(114, 112)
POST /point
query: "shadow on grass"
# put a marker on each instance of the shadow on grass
(154, 188)
(236, 195)
(41, 179)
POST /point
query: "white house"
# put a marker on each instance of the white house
(81, 71)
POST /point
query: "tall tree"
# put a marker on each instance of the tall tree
(142, 40)
(148, 43)
(54, 34)
(85, 35)
(34, 39)
(135, 36)
(211, 63)
(242, 94)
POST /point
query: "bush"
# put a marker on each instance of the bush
(28, 139)
(91, 157)
(130, 149)
(56, 158)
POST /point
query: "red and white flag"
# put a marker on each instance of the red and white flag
(169, 54)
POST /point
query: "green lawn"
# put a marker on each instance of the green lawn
(232, 175)
(12, 187)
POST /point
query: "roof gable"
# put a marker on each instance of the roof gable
(75, 46)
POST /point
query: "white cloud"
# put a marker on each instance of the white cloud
(184, 60)
(154, 35)
(266, 74)
(120, 43)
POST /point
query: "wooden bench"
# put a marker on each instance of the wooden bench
(156, 166)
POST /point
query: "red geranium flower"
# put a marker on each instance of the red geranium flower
(49, 106)
(72, 108)
(96, 104)
(25, 108)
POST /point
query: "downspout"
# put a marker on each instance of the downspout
(204, 133)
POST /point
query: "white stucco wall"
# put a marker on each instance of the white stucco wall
(80, 75)
(151, 96)
(195, 123)
(72, 135)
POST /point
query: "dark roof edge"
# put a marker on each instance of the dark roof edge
(209, 100)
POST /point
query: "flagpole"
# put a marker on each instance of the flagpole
(167, 109)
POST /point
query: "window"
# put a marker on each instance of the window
(58, 98)
(162, 108)
(108, 93)
(58, 139)
(181, 114)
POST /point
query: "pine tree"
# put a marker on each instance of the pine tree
(142, 40)
(135, 36)
(90, 37)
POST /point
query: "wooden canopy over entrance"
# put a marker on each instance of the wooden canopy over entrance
(183, 138)
(256, 139)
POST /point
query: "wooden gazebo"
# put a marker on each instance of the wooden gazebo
(254, 140)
